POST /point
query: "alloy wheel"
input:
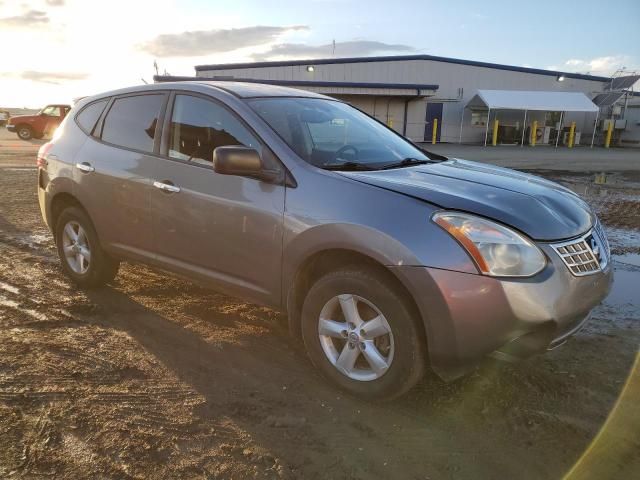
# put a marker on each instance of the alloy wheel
(75, 245)
(356, 337)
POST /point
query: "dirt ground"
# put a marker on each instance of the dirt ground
(155, 377)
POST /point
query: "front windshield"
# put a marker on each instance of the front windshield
(328, 134)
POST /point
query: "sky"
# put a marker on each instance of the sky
(56, 50)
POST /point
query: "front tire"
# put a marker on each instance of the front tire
(361, 333)
(24, 132)
(83, 259)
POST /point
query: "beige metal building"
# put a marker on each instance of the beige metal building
(439, 87)
(410, 92)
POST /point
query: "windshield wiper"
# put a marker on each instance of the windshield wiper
(407, 162)
(432, 155)
(348, 167)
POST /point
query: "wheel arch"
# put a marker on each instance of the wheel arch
(59, 202)
(323, 261)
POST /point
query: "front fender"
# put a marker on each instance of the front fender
(367, 241)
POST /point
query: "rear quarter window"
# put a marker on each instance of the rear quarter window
(89, 115)
(132, 121)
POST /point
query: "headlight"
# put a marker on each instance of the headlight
(497, 250)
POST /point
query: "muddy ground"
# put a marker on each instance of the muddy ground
(155, 377)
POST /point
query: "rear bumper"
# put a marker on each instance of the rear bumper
(468, 317)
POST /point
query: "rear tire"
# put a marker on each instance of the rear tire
(389, 360)
(24, 132)
(83, 259)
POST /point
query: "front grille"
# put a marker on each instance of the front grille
(587, 254)
(602, 236)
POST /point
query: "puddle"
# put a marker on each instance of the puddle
(598, 193)
(626, 285)
(623, 239)
(615, 198)
(625, 290)
(632, 259)
(35, 240)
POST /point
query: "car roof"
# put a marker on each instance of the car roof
(238, 89)
(253, 90)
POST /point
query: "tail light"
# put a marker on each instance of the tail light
(41, 159)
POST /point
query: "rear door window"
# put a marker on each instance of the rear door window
(89, 115)
(132, 121)
(199, 126)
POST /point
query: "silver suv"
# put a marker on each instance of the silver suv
(386, 258)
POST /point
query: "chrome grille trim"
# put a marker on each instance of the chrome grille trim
(604, 241)
(578, 255)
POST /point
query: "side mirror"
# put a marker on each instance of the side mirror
(243, 162)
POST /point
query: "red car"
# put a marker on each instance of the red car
(42, 123)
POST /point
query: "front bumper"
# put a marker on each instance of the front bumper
(468, 317)
(11, 128)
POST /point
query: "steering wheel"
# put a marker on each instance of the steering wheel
(346, 148)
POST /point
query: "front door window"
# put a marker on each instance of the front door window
(199, 126)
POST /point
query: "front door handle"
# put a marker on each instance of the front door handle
(85, 167)
(167, 187)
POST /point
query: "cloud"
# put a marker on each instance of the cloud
(30, 18)
(355, 48)
(203, 42)
(55, 3)
(606, 65)
(47, 77)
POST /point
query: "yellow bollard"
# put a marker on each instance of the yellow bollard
(572, 132)
(390, 122)
(534, 131)
(434, 133)
(607, 140)
(494, 137)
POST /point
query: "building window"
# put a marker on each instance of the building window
(479, 118)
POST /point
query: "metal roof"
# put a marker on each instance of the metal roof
(399, 58)
(302, 83)
(536, 100)
(620, 83)
(607, 99)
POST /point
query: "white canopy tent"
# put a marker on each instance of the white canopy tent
(531, 101)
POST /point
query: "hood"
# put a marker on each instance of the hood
(23, 118)
(541, 209)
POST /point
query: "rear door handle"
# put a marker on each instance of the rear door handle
(85, 167)
(167, 187)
